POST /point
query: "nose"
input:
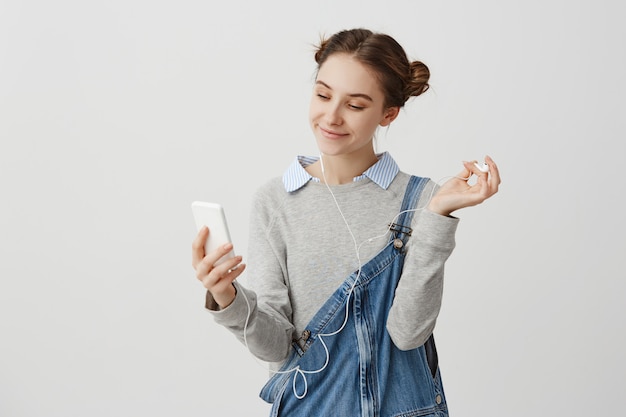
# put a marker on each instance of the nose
(333, 114)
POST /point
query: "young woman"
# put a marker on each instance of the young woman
(347, 252)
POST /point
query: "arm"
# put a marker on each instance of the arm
(259, 316)
(419, 293)
(417, 300)
(267, 333)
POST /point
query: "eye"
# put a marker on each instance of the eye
(355, 107)
(322, 96)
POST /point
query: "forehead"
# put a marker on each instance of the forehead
(345, 75)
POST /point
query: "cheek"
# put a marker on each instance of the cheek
(375, 119)
(314, 110)
(312, 118)
(366, 125)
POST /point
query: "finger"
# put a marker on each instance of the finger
(483, 188)
(487, 185)
(223, 274)
(473, 167)
(466, 173)
(494, 176)
(211, 258)
(203, 269)
(207, 264)
(494, 172)
(197, 246)
(234, 272)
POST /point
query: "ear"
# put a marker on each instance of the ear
(390, 115)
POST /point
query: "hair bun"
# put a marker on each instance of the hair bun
(418, 79)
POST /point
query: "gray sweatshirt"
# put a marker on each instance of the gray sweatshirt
(301, 250)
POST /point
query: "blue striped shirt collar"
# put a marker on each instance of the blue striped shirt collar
(382, 172)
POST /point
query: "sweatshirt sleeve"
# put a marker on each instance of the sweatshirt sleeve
(260, 316)
(266, 334)
(418, 296)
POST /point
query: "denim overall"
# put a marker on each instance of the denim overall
(359, 371)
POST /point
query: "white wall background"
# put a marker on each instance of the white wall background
(115, 115)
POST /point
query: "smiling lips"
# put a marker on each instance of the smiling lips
(331, 134)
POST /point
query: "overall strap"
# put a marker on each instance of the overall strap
(402, 230)
(402, 226)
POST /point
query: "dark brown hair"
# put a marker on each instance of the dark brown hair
(399, 79)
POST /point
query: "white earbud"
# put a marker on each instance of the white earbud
(482, 167)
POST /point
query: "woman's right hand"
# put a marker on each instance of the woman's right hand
(218, 280)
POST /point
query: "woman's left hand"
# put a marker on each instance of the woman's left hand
(457, 193)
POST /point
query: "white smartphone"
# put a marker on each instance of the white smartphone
(212, 215)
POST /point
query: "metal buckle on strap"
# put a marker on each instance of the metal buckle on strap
(400, 228)
(306, 334)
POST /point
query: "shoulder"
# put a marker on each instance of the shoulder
(269, 195)
(270, 189)
(266, 201)
(424, 186)
(401, 182)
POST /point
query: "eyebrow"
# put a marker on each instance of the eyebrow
(361, 95)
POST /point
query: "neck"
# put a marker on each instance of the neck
(341, 169)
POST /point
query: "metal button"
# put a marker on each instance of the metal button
(397, 243)
(438, 399)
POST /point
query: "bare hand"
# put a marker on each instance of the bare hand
(457, 193)
(217, 279)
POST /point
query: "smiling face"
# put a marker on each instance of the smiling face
(347, 105)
